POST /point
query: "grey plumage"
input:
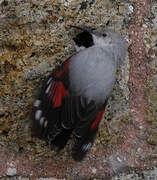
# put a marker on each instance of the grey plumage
(92, 70)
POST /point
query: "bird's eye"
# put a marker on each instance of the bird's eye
(104, 35)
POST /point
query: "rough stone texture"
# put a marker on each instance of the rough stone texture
(34, 38)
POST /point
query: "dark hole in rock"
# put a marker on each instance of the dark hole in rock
(1, 115)
(11, 47)
(33, 54)
(108, 22)
(21, 149)
(91, 2)
(4, 3)
(34, 6)
(5, 133)
(83, 5)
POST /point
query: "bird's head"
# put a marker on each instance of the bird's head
(107, 39)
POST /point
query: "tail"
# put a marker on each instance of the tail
(82, 145)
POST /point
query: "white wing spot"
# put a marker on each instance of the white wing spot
(38, 114)
(41, 121)
(48, 88)
(86, 147)
(37, 103)
(45, 124)
(49, 80)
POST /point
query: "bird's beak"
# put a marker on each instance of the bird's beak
(89, 30)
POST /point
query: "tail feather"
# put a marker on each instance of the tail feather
(61, 139)
(82, 145)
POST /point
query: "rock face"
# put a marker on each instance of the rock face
(34, 38)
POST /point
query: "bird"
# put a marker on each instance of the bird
(72, 100)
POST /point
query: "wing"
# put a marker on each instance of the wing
(48, 107)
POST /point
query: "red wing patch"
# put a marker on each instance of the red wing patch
(57, 93)
(63, 70)
(56, 90)
(97, 120)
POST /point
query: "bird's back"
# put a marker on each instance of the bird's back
(92, 73)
